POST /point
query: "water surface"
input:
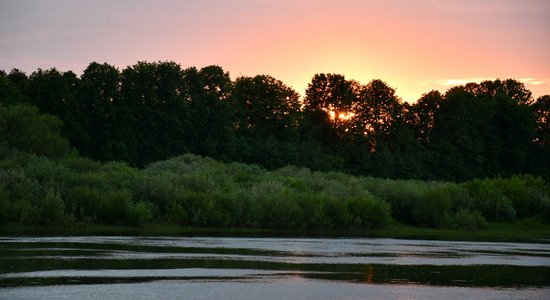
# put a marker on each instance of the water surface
(269, 268)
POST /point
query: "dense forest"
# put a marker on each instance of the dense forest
(158, 143)
(153, 111)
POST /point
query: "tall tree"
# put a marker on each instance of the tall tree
(265, 106)
(267, 116)
(378, 110)
(208, 91)
(95, 112)
(152, 111)
(541, 111)
(421, 115)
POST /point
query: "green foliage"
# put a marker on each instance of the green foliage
(82, 203)
(140, 214)
(468, 220)
(151, 111)
(4, 205)
(490, 200)
(24, 128)
(51, 210)
(369, 212)
(433, 209)
(42, 182)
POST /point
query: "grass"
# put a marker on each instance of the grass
(495, 232)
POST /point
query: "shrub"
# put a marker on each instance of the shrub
(20, 187)
(83, 203)
(526, 193)
(312, 206)
(279, 211)
(194, 204)
(336, 213)
(468, 220)
(433, 209)
(81, 164)
(116, 207)
(368, 212)
(119, 175)
(490, 201)
(159, 190)
(4, 205)
(225, 210)
(139, 214)
(22, 126)
(23, 211)
(401, 195)
(51, 208)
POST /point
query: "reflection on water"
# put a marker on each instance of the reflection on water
(140, 267)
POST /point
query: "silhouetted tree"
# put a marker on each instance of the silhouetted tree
(420, 116)
(208, 92)
(541, 111)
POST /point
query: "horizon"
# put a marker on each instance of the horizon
(414, 46)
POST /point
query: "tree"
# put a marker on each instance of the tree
(490, 89)
(23, 127)
(152, 111)
(211, 125)
(95, 112)
(421, 115)
(53, 92)
(457, 136)
(9, 92)
(540, 155)
(541, 111)
(264, 106)
(267, 116)
(19, 79)
(376, 112)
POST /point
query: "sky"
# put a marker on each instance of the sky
(413, 45)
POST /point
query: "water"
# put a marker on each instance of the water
(269, 268)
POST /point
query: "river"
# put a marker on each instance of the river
(113, 267)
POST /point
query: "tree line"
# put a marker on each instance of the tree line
(155, 110)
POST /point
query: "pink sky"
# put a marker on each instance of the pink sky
(414, 46)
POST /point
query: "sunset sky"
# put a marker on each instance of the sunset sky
(414, 46)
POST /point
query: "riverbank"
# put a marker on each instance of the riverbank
(494, 232)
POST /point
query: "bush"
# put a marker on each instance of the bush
(139, 214)
(51, 209)
(224, 210)
(527, 194)
(490, 200)
(116, 207)
(279, 211)
(468, 220)
(20, 187)
(83, 203)
(158, 190)
(4, 205)
(81, 164)
(119, 175)
(194, 204)
(24, 211)
(336, 213)
(433, 209)
(23, 127)
(401, 195)
(368, 212)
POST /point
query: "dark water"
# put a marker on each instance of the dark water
(270, 268)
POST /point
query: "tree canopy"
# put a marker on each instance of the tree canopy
(155, 110)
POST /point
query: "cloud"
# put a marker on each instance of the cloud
(455, 81)
(462, 81)
(535, 81)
